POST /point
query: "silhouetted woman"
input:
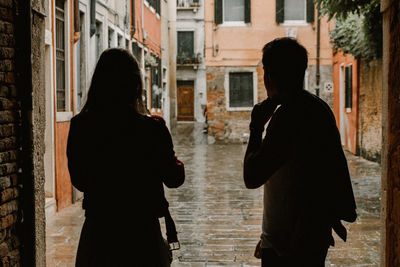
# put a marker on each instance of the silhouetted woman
(119, 158)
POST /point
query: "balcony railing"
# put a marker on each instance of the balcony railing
(183, 4)
(185, 60)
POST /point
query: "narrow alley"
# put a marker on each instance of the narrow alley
(219, 221)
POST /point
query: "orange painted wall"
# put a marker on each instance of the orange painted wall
(241, 46)
(151, 24)
(137, 21)
(63, 181)
(351, 133)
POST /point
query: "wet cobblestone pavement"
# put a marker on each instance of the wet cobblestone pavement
(219, 221)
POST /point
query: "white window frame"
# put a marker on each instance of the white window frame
(238, 23)
(114, 41)
(103, 42)
(66, 115)
(85, 38)
(297, 22)
(253, 70)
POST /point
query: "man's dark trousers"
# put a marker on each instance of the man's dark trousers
(269, 258)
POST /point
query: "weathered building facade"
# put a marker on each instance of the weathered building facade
(235, 33)
(76, 34)
(22, 121)
(357, 104)
(346, 99)
(190, 74)
(370, 110)
(146, 47)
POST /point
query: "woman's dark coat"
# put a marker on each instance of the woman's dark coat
(120, 163)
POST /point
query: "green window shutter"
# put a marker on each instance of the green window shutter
(159, 73)
(280, 11)
(247, 11)
(349, 87)
(310, 11)
(218, 11)
(158, 7)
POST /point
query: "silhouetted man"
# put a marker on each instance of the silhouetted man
(300, 162)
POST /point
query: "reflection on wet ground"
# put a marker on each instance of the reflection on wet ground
(219, 221)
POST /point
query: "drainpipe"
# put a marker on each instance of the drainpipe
(317, 71)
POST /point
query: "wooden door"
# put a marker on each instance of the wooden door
(185, 101)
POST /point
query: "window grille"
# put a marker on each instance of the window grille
(241, 89)
(185, 47)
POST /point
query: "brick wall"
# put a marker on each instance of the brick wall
(233, 126)
(9, 141)
(229, 126)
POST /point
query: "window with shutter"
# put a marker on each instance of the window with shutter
(349, 87)
(233, 10)
(61, 91)
(156, 91)
(295, 10)
(241, 89)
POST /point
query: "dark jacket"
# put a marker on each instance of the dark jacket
(120, 163)
(303, 131)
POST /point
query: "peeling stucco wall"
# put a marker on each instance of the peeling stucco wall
(38, 125)
(370, 110)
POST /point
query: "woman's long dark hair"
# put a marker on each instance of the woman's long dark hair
(116, 83)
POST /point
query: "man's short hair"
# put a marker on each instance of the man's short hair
(286, 61)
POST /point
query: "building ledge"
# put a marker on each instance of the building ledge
(189, 8)
(189, 65)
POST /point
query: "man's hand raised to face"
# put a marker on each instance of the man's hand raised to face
(261, 113)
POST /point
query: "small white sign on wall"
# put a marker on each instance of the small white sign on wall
(291, 32)
(328, 87)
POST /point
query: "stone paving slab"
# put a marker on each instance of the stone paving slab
(219, 221)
